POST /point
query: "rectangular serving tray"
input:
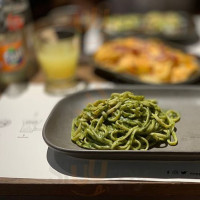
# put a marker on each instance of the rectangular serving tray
(184, 99)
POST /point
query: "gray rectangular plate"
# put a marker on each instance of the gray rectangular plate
(184, 99)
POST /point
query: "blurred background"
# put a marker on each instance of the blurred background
(41, 8)
(95, 21)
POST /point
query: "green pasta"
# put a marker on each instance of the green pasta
(124, 122)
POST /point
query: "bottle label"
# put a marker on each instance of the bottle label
(14, 22)
(12, 56)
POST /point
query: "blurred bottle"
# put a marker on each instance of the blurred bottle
(15, 46)
(93, 37)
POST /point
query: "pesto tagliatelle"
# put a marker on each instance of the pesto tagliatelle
(124, 122)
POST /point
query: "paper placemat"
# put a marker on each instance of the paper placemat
(24, 154)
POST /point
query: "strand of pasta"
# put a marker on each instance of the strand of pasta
(124, 122)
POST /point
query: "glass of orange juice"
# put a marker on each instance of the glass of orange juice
(57, 50)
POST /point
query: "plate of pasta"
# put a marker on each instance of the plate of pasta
(126, 122)
(149, 61)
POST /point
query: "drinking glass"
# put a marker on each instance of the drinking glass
(57, 50)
